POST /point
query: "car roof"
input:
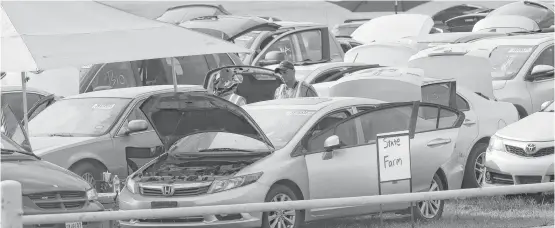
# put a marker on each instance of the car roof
(312, 103)
(19, 88)
(452, 37)
(134, 92)
(527, 39)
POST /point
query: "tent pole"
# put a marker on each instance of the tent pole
(174, 75)
(24, 93)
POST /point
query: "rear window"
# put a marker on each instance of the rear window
(508, 60)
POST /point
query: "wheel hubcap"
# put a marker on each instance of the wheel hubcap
(281, 218)
(429, 209)
(480, 169)
(89, 178)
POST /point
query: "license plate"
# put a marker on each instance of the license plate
(163, 204)
(74, 225)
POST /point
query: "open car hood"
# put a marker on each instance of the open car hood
(506, 24)
(175, 115)
(470, 69)
(232, 25)
(393, 27)
(384, 53)
(389, 84)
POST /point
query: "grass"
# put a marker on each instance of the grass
(494, 212)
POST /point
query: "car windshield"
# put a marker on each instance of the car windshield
(541, 15)
(78, 117)
(216, 142)
(181, 15)
(507, 60)
(280, 125)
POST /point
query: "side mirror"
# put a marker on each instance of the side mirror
(136, 126)
(545, 105)
(143, 152)
(332, 143)
(541, 71)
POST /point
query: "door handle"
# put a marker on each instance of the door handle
(469, 122)
(437, 142)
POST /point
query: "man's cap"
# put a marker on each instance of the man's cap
(285, 65)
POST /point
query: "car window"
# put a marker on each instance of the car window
(211, 60)
(384, 121)
(462, 104)
(41, 107)
(15, 101)
(436, 94)
(545, 58)
(223, 60)
(507, 60)
(325, 75)
(191, 70)
(429, 120)
(155, 71)
(324, 129)
(312, 43)
(285, 48)
(135, 114)
(346, 47)
(335, 53)
(112, 76)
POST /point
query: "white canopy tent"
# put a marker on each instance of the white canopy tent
(39, 35)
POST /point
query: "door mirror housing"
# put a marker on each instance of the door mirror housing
(545, 105)
(541, 71)
(332, 143)
(136, 126)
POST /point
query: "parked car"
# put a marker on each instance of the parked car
(37, 100)
(522, 153)
(299, 42)
(464, 23)
(541, 13)
(90, 133)
(46, 188)
(282, 150)
(522, 67)
(190, 70)
(483, 116)
(180, 14)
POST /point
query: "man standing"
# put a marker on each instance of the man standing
(291, 87)
(226, 86)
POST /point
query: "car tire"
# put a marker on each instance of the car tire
(280, 193)
(424, 210)
(87, 170)
(472, 171)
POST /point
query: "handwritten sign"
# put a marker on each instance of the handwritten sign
(394, 156)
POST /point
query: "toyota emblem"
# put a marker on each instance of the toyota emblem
(167, 190)
(530, 148)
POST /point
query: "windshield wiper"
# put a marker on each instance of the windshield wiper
(61, 135)
(7, 151)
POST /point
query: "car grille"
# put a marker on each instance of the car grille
(529, 179)
(498, 178)
(150, 191)
(67, 200)
(520, 151)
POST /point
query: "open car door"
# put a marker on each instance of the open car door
(259, 84)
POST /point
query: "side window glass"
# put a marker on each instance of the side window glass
(326, 75)
(436, 94)
(135, 114)
(385, 121)
(212, 62)
(283, 49)
(322, 130)
(334, 50)
(462, 105)
(113, 75)
(447, 119)
(194, 70)
(223, 60)
(39, 109)
(15, 101)
(32, 99)
(545, 58)
(311, 41)
(429, 120)
(156, 71)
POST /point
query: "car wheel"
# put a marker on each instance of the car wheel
(282, 218)
(431, 209)
(89, 172)
(475, 169)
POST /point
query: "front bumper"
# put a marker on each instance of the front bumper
(253, 193)
(91, 206)
(509, 169)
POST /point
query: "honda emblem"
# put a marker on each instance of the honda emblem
(530, 148)
(167, 190)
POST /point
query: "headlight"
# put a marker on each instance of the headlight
(234, 182)
(496, 143)
(131, 185)
(92, 194)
